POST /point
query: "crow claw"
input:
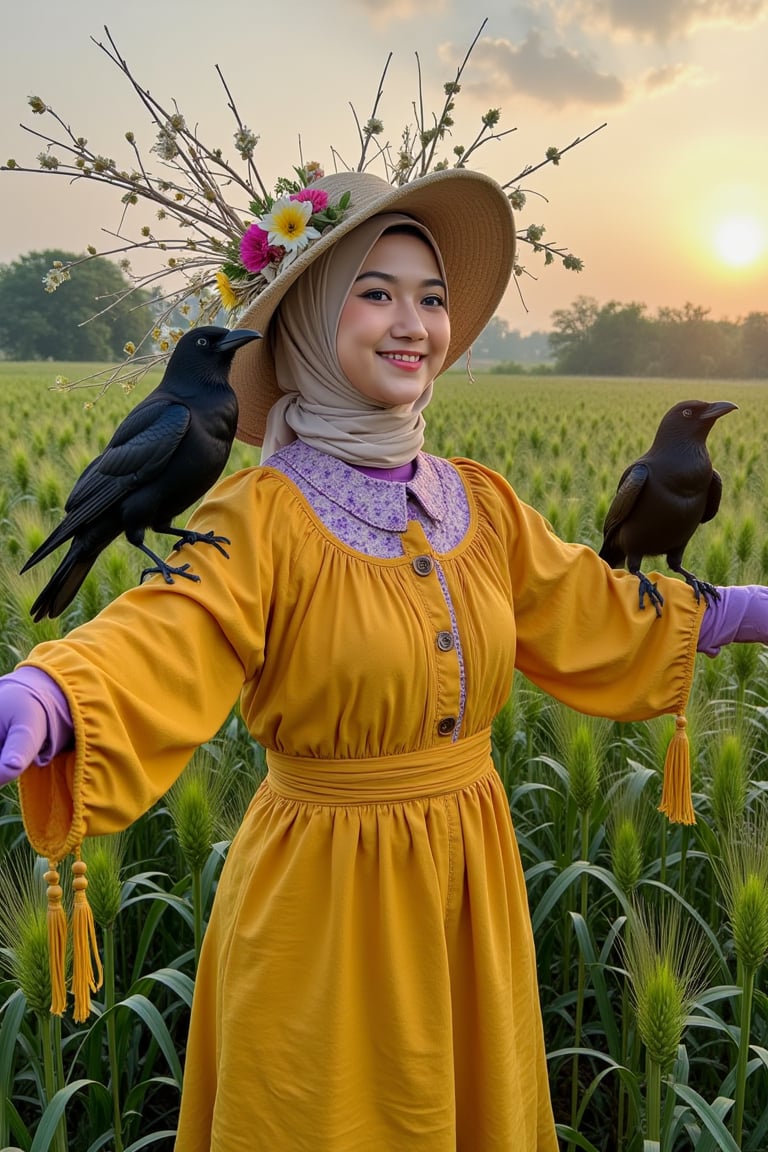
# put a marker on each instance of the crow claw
(705, 589)
(700, 587)
(168, 571)
(187, 536)
(649, 589)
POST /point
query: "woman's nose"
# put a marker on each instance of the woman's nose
(408, 323)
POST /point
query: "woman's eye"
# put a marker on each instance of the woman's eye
(434, 301)
(376, 294)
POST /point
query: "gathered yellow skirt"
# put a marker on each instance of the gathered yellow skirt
(367, 981)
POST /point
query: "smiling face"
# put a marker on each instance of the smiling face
(393, 332)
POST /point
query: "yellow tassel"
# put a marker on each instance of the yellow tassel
(676, 800)
(86, 949)
(57, 940)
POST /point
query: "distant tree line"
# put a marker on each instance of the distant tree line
(623, 340)
(76, 323)
(72, 322)
(498, 343)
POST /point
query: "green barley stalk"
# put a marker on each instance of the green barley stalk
(532, 703)
(731, 753)
(49, 493)
(626, 830)
(195, 803)
(581, 743)
(104, 857)
(20, 633)
(742, 872)
(660, 732)
(24, 937)
(667, 964)
(625, 841)
(744, 660)
(240, 768)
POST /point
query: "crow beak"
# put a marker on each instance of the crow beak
(239, 336)
(715, 411)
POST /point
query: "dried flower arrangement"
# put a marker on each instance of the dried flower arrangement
(232, 234)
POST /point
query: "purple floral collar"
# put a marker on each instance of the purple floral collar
(368, 513)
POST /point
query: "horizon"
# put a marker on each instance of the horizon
(664, 205)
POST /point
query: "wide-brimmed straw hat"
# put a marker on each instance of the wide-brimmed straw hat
(469, 216)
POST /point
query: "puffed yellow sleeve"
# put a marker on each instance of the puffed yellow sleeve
(154, 675)
(581, 635)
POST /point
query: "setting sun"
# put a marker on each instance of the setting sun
(739, 240)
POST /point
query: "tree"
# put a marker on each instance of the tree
(608, 341)
(621, 340)
(754, 343)
(571, 329)
(64, 325)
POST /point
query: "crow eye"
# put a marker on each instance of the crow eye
(202, 342)
(686, 411)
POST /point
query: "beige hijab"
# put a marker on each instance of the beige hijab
(320, 406)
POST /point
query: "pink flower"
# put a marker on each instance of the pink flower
(316, 196)
(255, 250)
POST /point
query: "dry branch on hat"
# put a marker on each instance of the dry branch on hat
(233, 234)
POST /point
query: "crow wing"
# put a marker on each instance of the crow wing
(714, 492)
(135, 456)
(630, 486)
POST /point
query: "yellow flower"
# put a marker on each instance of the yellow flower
(287, 225)
(228, 297)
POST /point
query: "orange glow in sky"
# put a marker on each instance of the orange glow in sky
(666, 205)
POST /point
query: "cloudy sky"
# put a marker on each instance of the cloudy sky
(666, 204)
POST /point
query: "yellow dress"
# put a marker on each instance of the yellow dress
(367, 981)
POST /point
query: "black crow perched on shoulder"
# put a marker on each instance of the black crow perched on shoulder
(163, 457)
(664, 496)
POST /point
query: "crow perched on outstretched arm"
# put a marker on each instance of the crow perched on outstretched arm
(163, 457)
(664, 496)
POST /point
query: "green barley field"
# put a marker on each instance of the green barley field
(651, 938)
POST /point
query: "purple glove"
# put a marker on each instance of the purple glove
(741, 615)
(35, 721)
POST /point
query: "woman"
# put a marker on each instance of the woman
(367, 979)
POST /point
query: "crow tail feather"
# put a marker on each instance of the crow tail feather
(64, 585)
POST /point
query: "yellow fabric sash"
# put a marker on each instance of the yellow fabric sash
(432, 771)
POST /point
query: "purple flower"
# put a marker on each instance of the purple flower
(316, 196)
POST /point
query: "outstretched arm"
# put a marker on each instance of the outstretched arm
(35, 721)
(739, 615)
